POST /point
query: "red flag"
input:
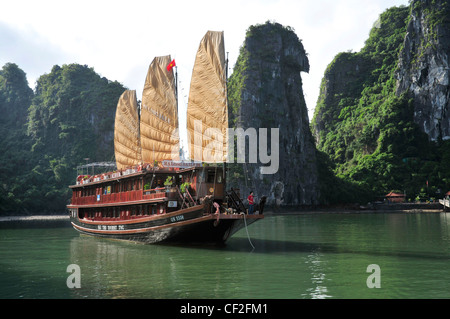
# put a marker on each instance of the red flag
(171, 65)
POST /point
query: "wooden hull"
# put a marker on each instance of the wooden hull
(188, 225)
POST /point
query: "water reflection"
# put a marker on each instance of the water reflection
(112, 269)
(313, 257)
(316, 265)
(297, 256)
(445, 222)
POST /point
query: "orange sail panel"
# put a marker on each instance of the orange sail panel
(127, 146)
(207, 114)
(159, 115)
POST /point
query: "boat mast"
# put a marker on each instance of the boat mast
(178, 111)
(224, 172)
(176, 86)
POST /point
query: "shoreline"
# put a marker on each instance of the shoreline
(34, 218)
(406, 208)
(350, 211)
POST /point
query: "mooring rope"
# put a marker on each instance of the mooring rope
(248, 236)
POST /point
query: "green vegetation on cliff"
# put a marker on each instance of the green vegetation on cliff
(367, 130)
(15, 98)
(69, 117)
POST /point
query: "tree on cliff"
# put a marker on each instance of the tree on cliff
(15, 98)
(368, 128)
(69, 118)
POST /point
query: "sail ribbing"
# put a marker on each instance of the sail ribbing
(207, 115)
(159, 115)
(127, 146)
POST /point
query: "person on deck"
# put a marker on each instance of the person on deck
(250, 199)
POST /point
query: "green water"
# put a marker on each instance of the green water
(295, 257)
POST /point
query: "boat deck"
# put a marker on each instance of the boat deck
(445, 203)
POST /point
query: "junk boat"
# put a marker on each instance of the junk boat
(153, 196)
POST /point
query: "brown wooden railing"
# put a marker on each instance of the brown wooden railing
(119, 197)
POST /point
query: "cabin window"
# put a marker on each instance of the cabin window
(210, 178)
(147, 182)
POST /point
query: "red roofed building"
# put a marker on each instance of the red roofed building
(395, 197)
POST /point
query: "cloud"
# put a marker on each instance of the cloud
(32, 53)
(119, 39)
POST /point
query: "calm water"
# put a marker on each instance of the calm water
(295, 257)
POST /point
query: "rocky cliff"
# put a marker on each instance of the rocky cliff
(15, 98)
(423, 68)
(382, 116)
(265, 91)
(46, 134)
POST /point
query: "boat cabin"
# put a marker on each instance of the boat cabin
(139, 191)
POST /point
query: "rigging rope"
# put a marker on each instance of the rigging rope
(248, 236)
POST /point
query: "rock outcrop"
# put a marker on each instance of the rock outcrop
(382, 116)
(265, 91)
(423, 67)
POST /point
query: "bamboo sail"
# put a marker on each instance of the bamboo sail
(207, 114)
(159, 115)
(127, 147)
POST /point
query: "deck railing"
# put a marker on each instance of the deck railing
(120, 197)
(445, 203)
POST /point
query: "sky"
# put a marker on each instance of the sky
(119, 39)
